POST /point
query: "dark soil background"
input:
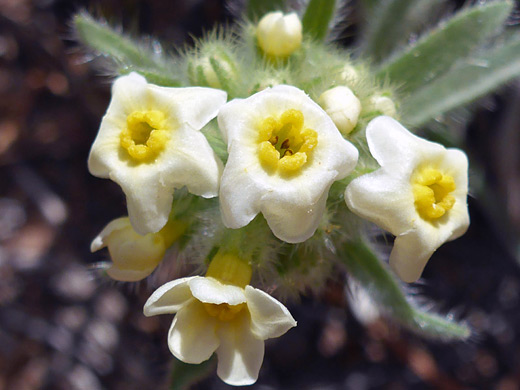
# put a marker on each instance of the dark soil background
(61, 328)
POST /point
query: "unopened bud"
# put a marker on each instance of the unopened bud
(383, 104)
(279, 35)
(215, 70)
(349, 73)
(134, 256)
(342, 106)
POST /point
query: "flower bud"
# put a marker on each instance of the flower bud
(342, 106)
(383, 104)
(215, 70)
(279, 35)
(134, 256)
(349, 73)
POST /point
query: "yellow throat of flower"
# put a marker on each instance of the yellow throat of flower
(145, 135)
(284, 143)
(228, 268)
(432, 192)
(223, 312)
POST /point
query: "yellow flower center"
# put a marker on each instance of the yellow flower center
(223, 312)
(145, 135)
(284, 143)
(432, 193)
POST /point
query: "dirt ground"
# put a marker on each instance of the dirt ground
(62, 328)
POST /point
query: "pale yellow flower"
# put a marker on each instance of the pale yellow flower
(284, 154)
(149, 143)
(221, 313)
(419, 194)
(135, 256)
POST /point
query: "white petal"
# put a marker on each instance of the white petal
(410, 255)
(169, 298)
(293, 217)
(128, 93)
(149, 201)
(116, 224)
(413, 249)
(194, 106)
(384, 199)
(395, 148)
(269, 318)
(240, 193)
(191, 162)
(240, 354)
(209, 290)
(192, 337)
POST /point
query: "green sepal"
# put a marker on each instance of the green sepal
(258, 8)
(317, 18)
(222, 75)
(463, 84)
(437, 51)
(184, 375)
(378, 281)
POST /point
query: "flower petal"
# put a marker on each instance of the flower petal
(194, 106)
(149, 200)
(192, 337)
(269, 318)
(99, 242)
(191, 162)
(384, 199)
(410, 254)
(240, 354)
(240, 194)
(169, 298)
(209, 290)
(388, 139)
(293, 217)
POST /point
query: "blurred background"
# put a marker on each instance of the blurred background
(61, 328)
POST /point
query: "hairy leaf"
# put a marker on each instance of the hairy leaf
(436, 52)
(375, 277)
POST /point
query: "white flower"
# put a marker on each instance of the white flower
(279, 35)
(213, 316)
(418, 194)
(284, 154)
(149, 143)
(135, 256)
(342, 106)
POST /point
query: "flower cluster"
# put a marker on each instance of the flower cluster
(287, 165)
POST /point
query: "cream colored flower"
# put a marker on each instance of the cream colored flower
(135, 256)
(418, 194)
(342, 106)
(149, 143)
(216, 314)
(279, 35)
(284, 154)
